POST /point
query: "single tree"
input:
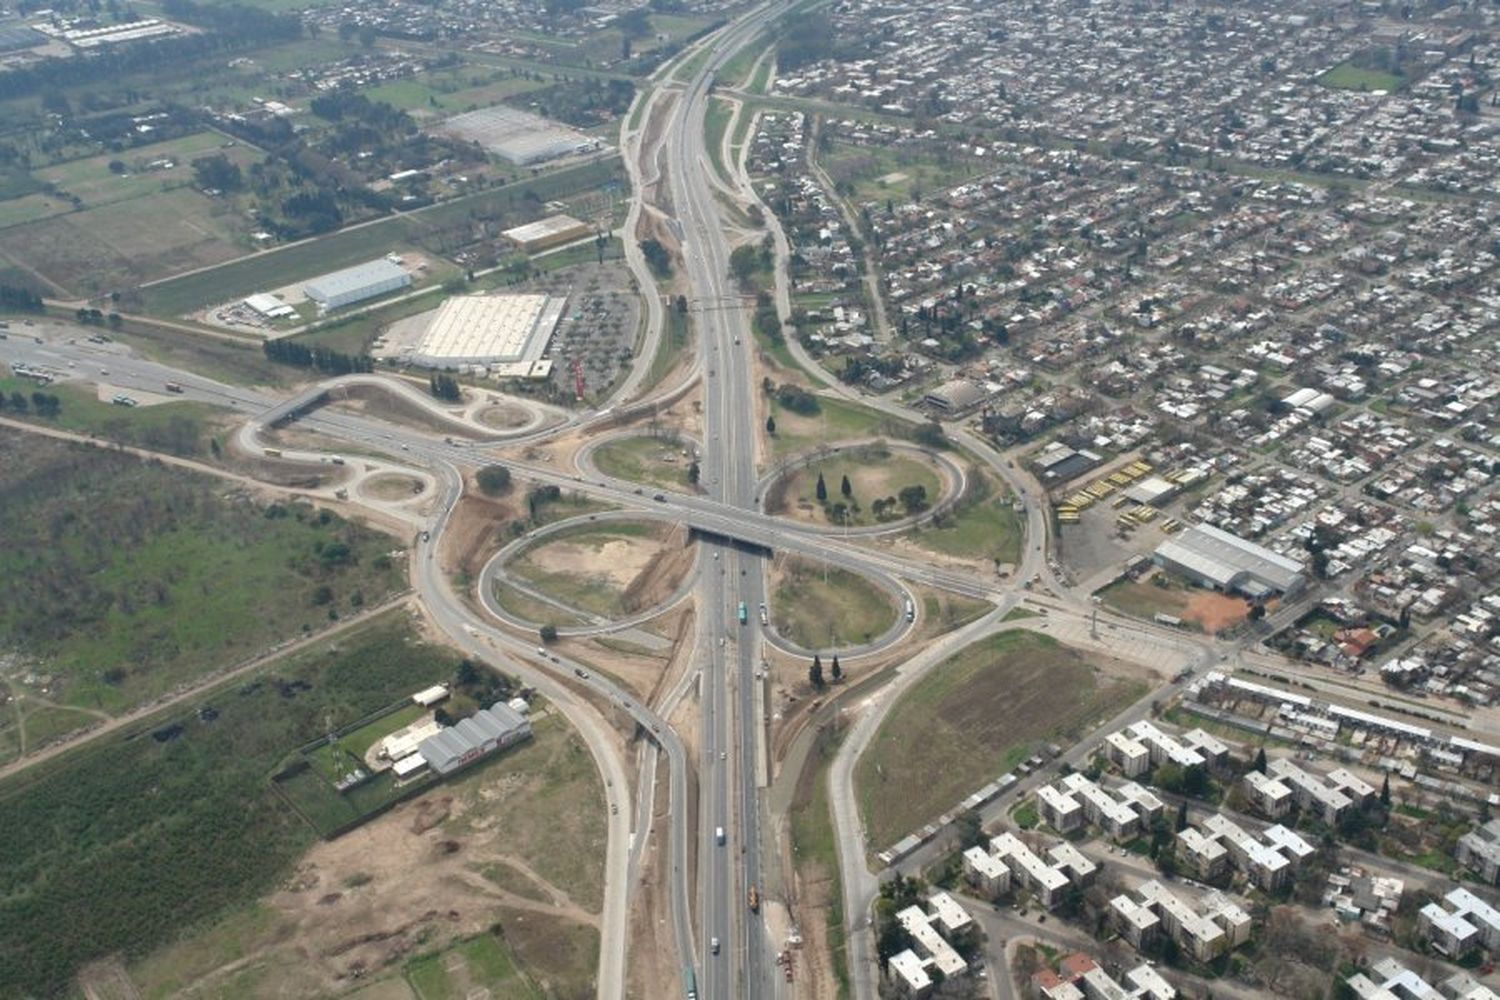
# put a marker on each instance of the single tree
(835, 669)
(493, 479)
(693, 473)
(815, 672)
(1385, 792)
(822, 491)
(1182, 816)
(1260, 760)
(845, 488)
(548, 633)
(770, 425)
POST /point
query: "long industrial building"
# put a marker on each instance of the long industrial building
(508, 330)
(482, 733)
(357, 283)
(1215, 558)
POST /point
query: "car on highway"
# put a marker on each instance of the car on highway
(713, 945)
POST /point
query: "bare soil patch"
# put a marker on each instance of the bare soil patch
(1215, 611)
(504, 416)
(475, 532)
(392, 486)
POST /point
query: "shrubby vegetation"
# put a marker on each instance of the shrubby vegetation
(116, 847)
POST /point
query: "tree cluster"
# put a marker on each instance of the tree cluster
(444, 387)
(17, 298)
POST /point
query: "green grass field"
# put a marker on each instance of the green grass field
(822, 610)
(480, 963)
(1348, 76)
(815, 853)
(452, 92)
(552, 805)
(986, 527)
(529, 609)
(651, 461)
(878, 173)
(1144, 600)
(122, 593)
(975, 716)
(181, 428)
(716, 118)
(194, 792)
(93, 181)
(837, 420)
(541, 802)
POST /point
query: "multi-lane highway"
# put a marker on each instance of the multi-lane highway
(718, 938)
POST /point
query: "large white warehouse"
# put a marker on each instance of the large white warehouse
(507, 330)
(357, 283)
(1215, 558)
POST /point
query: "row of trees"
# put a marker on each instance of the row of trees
(289, 352)
(45, 404)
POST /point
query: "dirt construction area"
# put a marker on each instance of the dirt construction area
(608, 569)
(518, 842)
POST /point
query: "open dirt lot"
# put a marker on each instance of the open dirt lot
(1161, 593)
(392, 486)
(609, 569)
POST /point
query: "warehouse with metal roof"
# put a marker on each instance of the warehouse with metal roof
(357, 283)
(489, 329)
(481, 734)
(1215, 558)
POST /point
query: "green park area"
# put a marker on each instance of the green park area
(973, 717)
(663, 462)
(127, 579)
(821, 607)
(879, 172)
(1351, 76)
(883, 485)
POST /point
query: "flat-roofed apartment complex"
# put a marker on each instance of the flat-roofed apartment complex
(1075, 800)
(1268, 861)
(1009, 863)
(1215, 558)
(1479, 851)
(909, 967)
(1468, 923)
(1221, 925)
(1330, 799)
(1388, 979)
